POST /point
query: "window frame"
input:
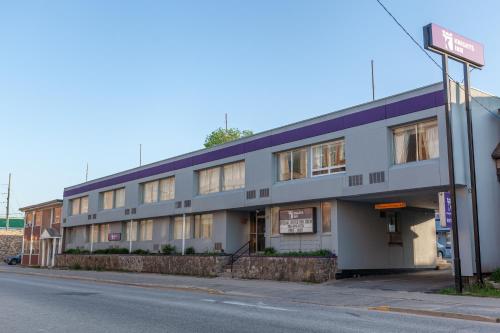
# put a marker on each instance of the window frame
(329, 169)
(220, 169)
(306, 149)
(416, 125)
(79, 205)
(158, 196)
(113, 192)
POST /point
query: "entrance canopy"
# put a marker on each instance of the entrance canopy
(50, 233)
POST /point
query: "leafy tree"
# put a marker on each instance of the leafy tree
(220, 136)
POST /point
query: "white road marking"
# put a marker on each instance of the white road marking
(259, 306)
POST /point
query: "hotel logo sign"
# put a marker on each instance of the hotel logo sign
(442, 40)
(297, 221)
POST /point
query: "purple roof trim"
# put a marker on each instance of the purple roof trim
(410, 105)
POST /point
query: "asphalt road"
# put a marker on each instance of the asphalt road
(42, 304)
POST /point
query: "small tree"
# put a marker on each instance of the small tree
(220, 136)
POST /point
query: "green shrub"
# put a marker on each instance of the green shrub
(140, 252)
(168, 249)
(270, 251)
(112, 250)
(76, 251)
(317, 253)
(190, 250)
(75, 266)
(495, 276)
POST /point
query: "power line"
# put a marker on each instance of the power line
(431, 58)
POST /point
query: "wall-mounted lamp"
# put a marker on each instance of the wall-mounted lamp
(496, 156)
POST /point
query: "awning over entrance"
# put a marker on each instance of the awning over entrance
(50, 233)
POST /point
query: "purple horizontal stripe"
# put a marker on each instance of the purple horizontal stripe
(407, 106)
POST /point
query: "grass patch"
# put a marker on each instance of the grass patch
(495, 276)
(487, 290)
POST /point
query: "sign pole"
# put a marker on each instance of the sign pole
(472, 167)
(451, 173)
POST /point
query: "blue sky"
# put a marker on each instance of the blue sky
(87, 81)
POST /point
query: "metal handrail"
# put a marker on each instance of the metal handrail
(244, 249)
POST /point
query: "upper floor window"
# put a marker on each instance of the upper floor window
(292, 164)
(113, 199)
(158, 190)
(227, 177)
(79, 205)
(328, 158)
(416, 142)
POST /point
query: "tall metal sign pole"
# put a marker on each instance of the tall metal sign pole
(8, 205)
(469, 53)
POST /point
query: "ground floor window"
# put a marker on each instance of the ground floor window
(178, 222)
(326, 216)
(203, 226)
(146, 230)
(103, 232)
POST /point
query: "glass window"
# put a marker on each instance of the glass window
(416, 142)
(326, 216)
(146, 230)
(178, 228)
(120, 198)
(328, 158)
(292, 164)
(203, 225)
(167, 188)
(103, 232)
(84, 205)
(150, 192)
(75, 206)
(209, 180)
(95, 233)
(234, 176)
(107, 200)
(275, 220)
(131, 234)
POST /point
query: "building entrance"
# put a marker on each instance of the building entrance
(257, 231)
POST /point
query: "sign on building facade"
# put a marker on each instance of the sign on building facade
(297, 221)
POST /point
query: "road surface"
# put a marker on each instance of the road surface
(47, 304)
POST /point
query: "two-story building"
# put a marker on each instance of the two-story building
(362, 182)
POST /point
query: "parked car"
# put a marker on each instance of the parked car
(13, 260)
(443, 251)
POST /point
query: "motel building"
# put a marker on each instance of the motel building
(362, 182)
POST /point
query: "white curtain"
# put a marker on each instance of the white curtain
(150, 192)
(432, 142)
(401, 140)
(284, 163)
(84, 205)
(119, 198)
(167, 188)
(107, 200)
(234, 176)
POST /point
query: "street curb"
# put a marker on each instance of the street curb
(440, 314)
(117, 282)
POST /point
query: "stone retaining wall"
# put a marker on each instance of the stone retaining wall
(194, 265)
(11, 242)
(296, 269)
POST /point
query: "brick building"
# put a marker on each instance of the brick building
(42, 233)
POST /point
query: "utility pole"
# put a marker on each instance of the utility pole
(373, 82)
(87, 172)
(225, 116)
(8, 203)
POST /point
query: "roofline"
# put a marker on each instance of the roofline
(41, 205)
(263, 133)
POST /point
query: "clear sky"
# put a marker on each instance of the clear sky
(87, 81)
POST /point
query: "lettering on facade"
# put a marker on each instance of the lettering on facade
(297, 221)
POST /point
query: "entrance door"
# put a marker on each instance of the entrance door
(257, 231)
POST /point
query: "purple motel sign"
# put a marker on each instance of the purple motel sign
(442, 40)
(447, 209)
(114, 236)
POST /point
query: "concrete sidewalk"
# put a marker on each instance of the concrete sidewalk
(335, 293)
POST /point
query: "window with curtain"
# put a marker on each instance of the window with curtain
(416, 142)
(234, 176)
(113, 199)
(292, 164)
(275, 221)
(209, 180)
(178, 227)
(328, 158)
(146, 230)
(103, 232)
(150, 192)
(129, 230)
(79, 205)
(203, 226)
(326, 216)
(167, 188)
